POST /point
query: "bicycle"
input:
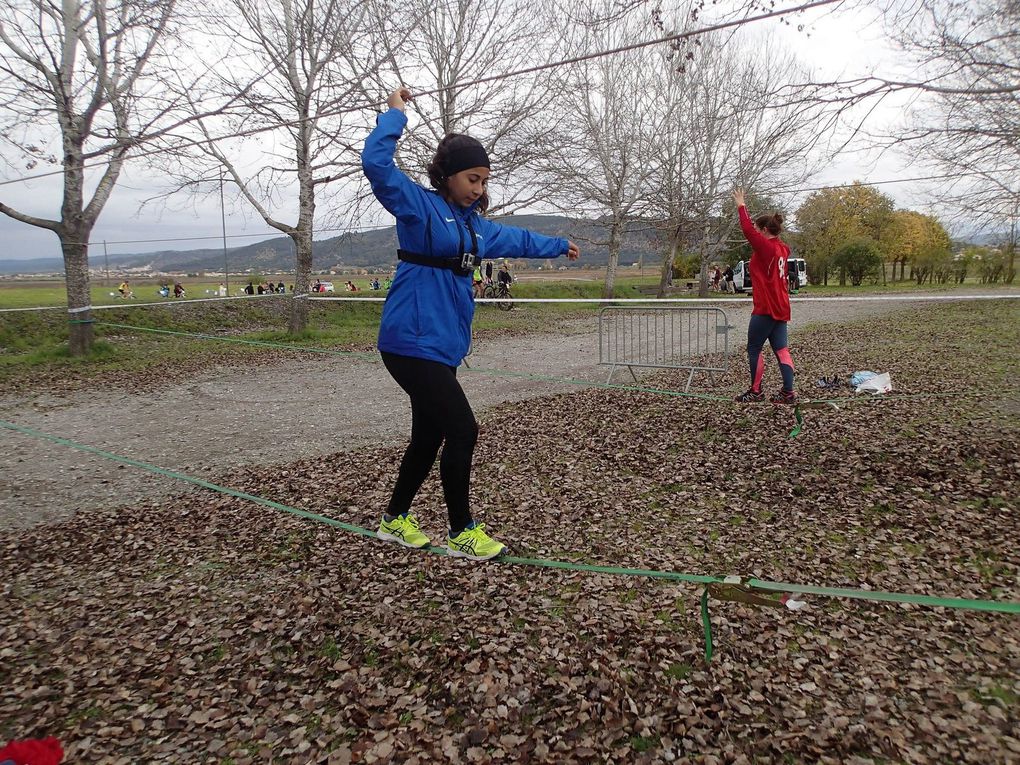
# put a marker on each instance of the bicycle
(501, 293)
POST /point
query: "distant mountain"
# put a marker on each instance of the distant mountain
(370, 249)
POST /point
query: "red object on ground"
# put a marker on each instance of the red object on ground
(33, 751)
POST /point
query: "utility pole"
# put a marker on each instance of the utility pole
(106, 257)
(223, 220)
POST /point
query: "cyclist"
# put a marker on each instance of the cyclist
(503, 278)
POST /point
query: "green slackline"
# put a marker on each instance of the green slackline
(800, 422)
(895, 597)
(706, 623)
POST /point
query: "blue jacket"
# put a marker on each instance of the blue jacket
(428, 311)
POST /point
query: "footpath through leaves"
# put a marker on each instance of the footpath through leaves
(214, 630)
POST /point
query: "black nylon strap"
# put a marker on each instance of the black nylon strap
(460, 266)
(463, 264)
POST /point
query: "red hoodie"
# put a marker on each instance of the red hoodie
(768, 271)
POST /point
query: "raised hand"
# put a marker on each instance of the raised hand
(398, 98)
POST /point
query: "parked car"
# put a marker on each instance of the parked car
(742, 274)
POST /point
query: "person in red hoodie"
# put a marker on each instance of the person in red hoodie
(771, 311)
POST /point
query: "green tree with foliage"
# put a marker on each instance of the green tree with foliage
(830, 219)
(990, 263)
(931, 257)
(859, 260)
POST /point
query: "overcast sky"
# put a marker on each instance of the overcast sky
(833, 44)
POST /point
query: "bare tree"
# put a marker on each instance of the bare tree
(81, 73)
(602, 153)
(724, 126)
(961, 67)
(966, 122)
(456, 41)
(311, 59)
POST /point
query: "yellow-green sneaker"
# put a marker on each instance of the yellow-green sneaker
(474, 543)
(403, 530)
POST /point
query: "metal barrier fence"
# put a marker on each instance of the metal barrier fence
(695, 339)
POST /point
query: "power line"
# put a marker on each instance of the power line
(943, 176)
(480, 81)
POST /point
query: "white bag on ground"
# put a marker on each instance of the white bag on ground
(878, 384)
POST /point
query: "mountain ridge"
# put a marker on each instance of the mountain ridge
(355, 250)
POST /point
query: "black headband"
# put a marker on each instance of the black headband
(464, 158)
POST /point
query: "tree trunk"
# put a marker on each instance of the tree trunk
(74, 236)
(667, 267)
(302, 234)
(302, 276)
(705, 256)
(614, 259)
(79, 300)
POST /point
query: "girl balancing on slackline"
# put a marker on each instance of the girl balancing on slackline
(771, 299)
(426, 320)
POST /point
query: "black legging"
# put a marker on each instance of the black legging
(439, 411)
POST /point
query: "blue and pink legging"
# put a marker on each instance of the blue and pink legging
(760, 329)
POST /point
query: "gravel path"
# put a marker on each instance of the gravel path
(271, 415)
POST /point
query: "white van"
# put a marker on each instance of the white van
(742, 273)
(742, 276)
(798, 266)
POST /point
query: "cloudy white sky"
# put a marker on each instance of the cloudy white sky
(842, 43)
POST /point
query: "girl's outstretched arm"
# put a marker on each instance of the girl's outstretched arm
(398, 194)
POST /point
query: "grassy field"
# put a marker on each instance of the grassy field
(31, 294)
(33, 343)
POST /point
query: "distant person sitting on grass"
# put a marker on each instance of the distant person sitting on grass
(249, 288)
(178, 290)
(125, 290)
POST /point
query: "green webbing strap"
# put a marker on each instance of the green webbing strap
(968, 604)
(81, 321)
(706, 623)
(800, 422)
(726, 592)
